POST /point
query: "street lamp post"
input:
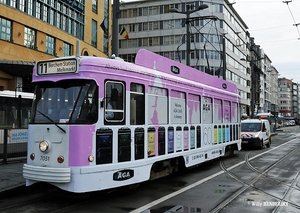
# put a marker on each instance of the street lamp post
(187, 23)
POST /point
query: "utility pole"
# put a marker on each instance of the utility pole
(187, 23)
(224, 58)
(188, 35)
(115, 28)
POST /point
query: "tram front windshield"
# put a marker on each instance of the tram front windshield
(71, 101)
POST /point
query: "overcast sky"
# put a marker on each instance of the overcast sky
(272, 24)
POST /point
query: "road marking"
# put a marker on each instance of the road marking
(166, 197)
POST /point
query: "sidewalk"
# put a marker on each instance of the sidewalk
(11, 176)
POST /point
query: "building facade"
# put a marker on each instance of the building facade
(285, 98)
(295, 101)
(33, 30)
(218, 37)
(273, 75)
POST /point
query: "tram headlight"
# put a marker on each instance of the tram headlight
(91, 158)
(44, 146)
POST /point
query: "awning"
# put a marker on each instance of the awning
(16, 68)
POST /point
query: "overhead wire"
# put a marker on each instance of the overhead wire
(295, 23)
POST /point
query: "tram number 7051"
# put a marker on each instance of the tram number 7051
(45, 158)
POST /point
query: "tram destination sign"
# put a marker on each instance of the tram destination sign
(57, 66)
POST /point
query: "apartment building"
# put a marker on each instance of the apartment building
(295, 101)
(285, 102)
(272, 92)
(216, 33)
(32, 30)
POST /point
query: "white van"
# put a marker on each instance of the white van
(255, 132)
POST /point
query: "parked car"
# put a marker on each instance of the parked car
(290, 123)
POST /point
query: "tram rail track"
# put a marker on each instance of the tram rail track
(56, 201)
(261, 174)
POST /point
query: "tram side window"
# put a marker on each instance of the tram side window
(227, 112)
(157, 105)
(194, 105)
(14, 112)
(137, 104)
(218, 108)
(207, 110)
(235, 112)
(178, 110)
(114, 102)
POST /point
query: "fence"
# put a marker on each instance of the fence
(13, 145)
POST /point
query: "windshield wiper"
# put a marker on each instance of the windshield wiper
(46, 116)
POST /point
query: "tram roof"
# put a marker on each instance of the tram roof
(154, 65)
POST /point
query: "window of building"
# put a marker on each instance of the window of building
(38, 10)
(95, 6)
(94, 33)
(50, 45)
(154, 10)
(172, 55)
(51, 17)
(63, 23)
(134, 12)
(69, 27)
(29, 37)
(155, 25)
(131, 27)
(145, 26)
(145, 11)
(45, 14)
(62, 15)
(51, 3)
(145, 42)
(58, 20)
(5, 29)
(169, 6)
(29, 6)
(150, 42)
(22, 5)
(13, 3)
(167, 40)
(67, 49)
(155, 41)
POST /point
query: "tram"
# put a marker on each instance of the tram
(101, 123)
(15, 109)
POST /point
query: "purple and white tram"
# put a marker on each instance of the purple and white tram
(100, 123)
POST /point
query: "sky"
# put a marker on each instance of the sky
(273, 24)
